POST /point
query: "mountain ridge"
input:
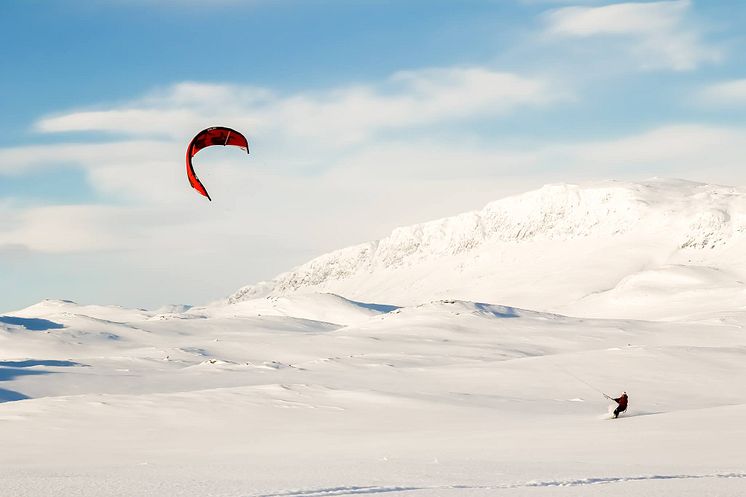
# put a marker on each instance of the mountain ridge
(659, 222)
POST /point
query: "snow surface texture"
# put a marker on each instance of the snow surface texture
(308, 394)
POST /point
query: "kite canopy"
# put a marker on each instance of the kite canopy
(217, 135)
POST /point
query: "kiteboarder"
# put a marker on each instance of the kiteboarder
(622, 401)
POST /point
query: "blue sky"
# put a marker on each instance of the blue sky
(362, 115)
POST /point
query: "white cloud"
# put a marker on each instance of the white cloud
(339, 117)
(408, 99)
(19, 160)
(561, 2)
(695, 152)
(129, 121)
(621, 18)
(656, 34)
(173, 112)
(725, 93)
(669, 144)
(434, 160)
(307, 132)
(58, 229)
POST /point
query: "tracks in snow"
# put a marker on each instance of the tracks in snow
(360, 490)
(323, 492)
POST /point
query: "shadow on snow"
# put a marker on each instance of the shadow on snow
(382, 308)
(32, 324)
(30, 363)
(10, 370)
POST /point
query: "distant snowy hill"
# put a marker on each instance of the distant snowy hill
(598, 249)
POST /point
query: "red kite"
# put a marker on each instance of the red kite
(207, 138)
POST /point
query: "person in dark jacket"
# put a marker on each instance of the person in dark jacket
(622, 401)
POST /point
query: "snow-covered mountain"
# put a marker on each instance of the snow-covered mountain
(598, 249)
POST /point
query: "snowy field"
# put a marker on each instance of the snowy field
(307, 394)
(448, 398)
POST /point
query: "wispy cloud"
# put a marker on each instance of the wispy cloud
(343, 116)
(339, 133)
(561, 2)
(731, 92)
(305, 131)
(693, 151)
(59, 229)
(657, 34)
